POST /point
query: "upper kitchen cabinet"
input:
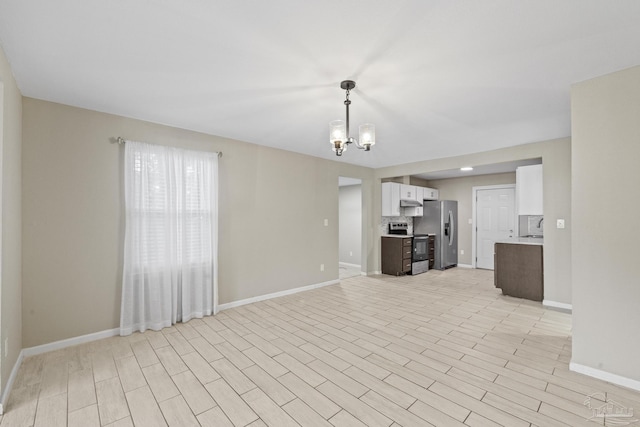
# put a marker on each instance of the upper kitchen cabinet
(402, 199)
(408, 192)
(529, 190)
(430, 193)
(390, 199)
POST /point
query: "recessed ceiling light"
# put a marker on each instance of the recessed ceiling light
(466, 169)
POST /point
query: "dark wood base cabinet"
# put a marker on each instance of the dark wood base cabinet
(432, 251)
(396, 255)
(519, 270)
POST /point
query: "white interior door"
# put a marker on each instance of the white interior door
(495, 220)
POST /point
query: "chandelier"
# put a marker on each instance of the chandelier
(339, 129)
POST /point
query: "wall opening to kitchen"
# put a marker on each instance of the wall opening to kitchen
(349, 227)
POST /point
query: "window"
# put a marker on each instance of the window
(170, 264)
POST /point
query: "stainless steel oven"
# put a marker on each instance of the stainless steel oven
(420, 258)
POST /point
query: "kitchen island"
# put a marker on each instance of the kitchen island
(519, 267)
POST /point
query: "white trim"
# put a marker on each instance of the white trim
(605, 376)
(12, 378)
(556, 304)
(57, 345)
(465, 266)
(474, 201)
(346, 264)
(238, 303)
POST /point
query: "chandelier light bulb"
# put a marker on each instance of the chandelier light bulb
(337, 131)
(367, 135)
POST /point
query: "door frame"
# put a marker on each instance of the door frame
(474, 202)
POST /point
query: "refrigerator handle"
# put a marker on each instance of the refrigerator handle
(452, 228)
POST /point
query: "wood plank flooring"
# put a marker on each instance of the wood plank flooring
(438, 349)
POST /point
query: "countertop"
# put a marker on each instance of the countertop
(523, 240)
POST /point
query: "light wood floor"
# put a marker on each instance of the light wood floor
(441, 348)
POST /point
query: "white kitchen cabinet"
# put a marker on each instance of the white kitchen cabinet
(393, 192)
(529, 190)
(390, 199)
(416, 210)
(408, 192)
(430, 193)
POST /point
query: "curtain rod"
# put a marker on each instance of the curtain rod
(120, 141)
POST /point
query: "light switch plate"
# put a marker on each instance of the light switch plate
(560, 223)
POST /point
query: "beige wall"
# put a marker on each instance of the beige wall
(556, 159)
(461, 189)
(272, 209)
(11, 224)
(606, 200)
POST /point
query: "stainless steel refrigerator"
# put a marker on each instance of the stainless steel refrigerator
(440, 217)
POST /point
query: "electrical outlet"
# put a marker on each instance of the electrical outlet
(560, 223)
(350, 253)
(470, 221)
(321, 267)
(326, 222)
(461, 251)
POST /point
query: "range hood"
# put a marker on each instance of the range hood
(410, 202)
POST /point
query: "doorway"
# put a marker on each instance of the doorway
(494, 220)
(349, 227)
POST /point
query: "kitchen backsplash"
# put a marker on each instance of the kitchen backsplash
(384, 225)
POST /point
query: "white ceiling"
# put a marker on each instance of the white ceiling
(504, 167)
(438, 78)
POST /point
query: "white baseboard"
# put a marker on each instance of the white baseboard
(346, 264)
(605, 376)
(238, 303)
(9, 385)
(465, 265)
(555, 304)
(57, 345)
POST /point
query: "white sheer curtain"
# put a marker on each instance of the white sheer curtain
(170, 248)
